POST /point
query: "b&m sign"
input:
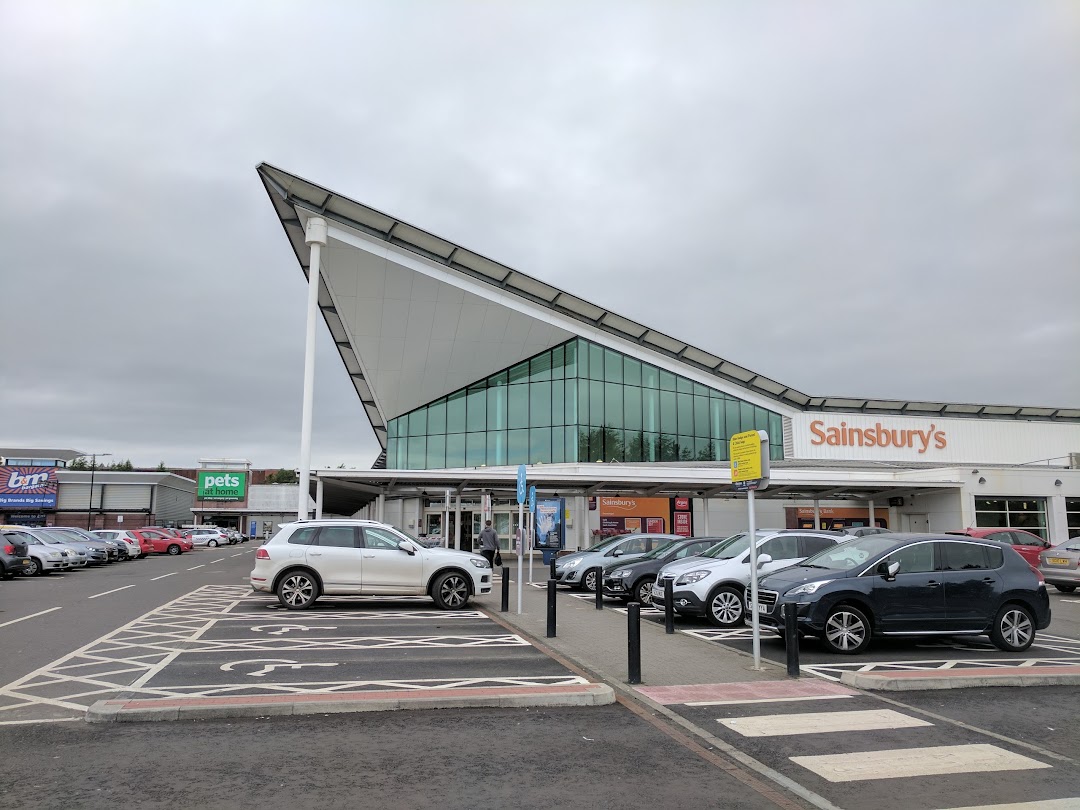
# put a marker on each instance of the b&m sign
(28, 487)
(222, 486)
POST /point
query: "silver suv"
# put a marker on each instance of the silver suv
(715, 586)
(309, 558)
(585, 569)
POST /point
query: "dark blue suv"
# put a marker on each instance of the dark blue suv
(909, 585)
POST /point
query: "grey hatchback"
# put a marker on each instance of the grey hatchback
(584, 569)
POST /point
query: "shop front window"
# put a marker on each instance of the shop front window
(1072, 514)
(1028, 514)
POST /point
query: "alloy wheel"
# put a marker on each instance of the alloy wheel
(589, 580)
(845, 631)
(1016, 628)
(454, 591)
(726, 607)
(297, 590)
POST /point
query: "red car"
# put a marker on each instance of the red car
(1027, 545)
(163, 543)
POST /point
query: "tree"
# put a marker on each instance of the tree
(79, 464)
(161, 467)
(282, 476)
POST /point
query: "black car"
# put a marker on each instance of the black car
(13, 557)
(909, 585)
(633, 580)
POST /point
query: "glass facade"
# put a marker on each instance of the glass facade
(1012, 513)
(576, 402)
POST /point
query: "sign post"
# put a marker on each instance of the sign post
(532, 524)
(750, 472)
(521, 530)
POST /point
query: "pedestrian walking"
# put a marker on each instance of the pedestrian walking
(489, 542)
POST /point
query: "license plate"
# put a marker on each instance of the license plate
(1058, 560)
(26, 562)
(763, 608)
(657, 591)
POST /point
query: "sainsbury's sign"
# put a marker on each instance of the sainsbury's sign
(28, 487)
(878, 436)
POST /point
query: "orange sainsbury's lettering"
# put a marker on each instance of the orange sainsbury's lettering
(877, 436)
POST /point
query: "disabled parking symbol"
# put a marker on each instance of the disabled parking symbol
(286, 628)
(269, 665)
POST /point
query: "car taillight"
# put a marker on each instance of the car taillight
(262, 554)
(9, 550)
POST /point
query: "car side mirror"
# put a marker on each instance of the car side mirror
(617, 552)
(405, 547)
(763, 559)
(888, 570)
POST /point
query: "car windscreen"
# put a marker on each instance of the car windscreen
(659, 551)
(606, 542)
(55, 537)
(850, 554)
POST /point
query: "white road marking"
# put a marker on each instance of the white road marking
(219, 559)
(786, 725)
(114, 590)
(765, 700)
(236, 555)
(1047, 804)
(32, 615)
(173, 574)
(903, 762)
(197, 566)
(43, 720)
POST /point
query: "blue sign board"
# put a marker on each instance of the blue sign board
(28, 487)
(532, 499)
(550, 534)
(521, 484)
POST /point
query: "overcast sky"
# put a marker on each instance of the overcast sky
(858, 198)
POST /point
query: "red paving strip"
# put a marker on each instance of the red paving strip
(980, 672)
(327, 697)
(667, 695)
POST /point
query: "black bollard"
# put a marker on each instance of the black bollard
(633, 642)
(791, 638)
(599, 589)
(669, 605)
(551, 609)
(505, 589)
(553, 567)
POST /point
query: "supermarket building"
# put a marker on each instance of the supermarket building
(466, 368)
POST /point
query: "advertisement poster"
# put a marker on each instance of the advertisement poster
(222, 486)
(28, 487)
(682, 524)
(549, 523)
(623, 515)
(802, 517)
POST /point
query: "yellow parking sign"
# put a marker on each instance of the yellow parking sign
(749, 456)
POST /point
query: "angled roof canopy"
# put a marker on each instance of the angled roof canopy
(402, 362)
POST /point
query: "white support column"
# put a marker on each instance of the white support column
(446, 522)
(318, 496)
(457, 522)
(873, 522)
(380, 508)
(315, 236)
(705, 516)
(817, 514)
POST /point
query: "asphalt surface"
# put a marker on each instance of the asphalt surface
(477, 758)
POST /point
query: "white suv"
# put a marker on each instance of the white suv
(716, 587)
(307, 559)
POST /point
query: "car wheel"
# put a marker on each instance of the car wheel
(1066, 588)
(173, 549)
(1013, 629)
(450, 591)
(34, 569)
(212, 543)
(297, 590)
(589, 579)
(643, 591)
(847, 630)
(725, 607)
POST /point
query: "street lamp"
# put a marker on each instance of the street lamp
(90, 501)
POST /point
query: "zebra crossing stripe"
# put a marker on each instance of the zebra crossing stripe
(904, 762)
(786, 725)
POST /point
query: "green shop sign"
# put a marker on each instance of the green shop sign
(222, 486)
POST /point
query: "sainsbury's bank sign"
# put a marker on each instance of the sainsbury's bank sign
(28, 487)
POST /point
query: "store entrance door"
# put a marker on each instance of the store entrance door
(466, 539)
(918, 523)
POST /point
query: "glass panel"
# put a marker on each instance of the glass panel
(686, 413)
(570, 442)
(436, 452)
(651, 447)
(540, 445)
(631, 407)
(540, 405)
(571, 369)
(733, 426)
(557, 403)
(613, 363)
(667, 381)
(596, 403)
(613, 406)
(686, 448)
(496, 408)
(558, 445)
(455, 450)
(455, 413)
(583, 402)
(989, 505)
(437, 417)
(669, 415)
(701, 391)
(497, 379)
(703, 449)
(631, 371)
(557, 362)
(1029, 505)
(596, 362)
(496, 448)
(571, 402)
(746, 415)
(476, 449)
(613, 444)
(403, 422)
(716, 418)
(701, 417)
(476, 412)
(668, 448)
(761, 419)
(596, 444)
(650, 410)
(683, 385)
(634, 449)
(540, 367)
(776, 432)
(582, 359)
(391, 428)
(519, 373)
(517, 447)
(650, 376)
(517, 406)
(991, 520)
(417, 452)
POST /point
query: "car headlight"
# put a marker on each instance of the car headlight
(809, 587)
(54, 555)
(574, 563)
(622, 574)
(690, 577)
(481, 563)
